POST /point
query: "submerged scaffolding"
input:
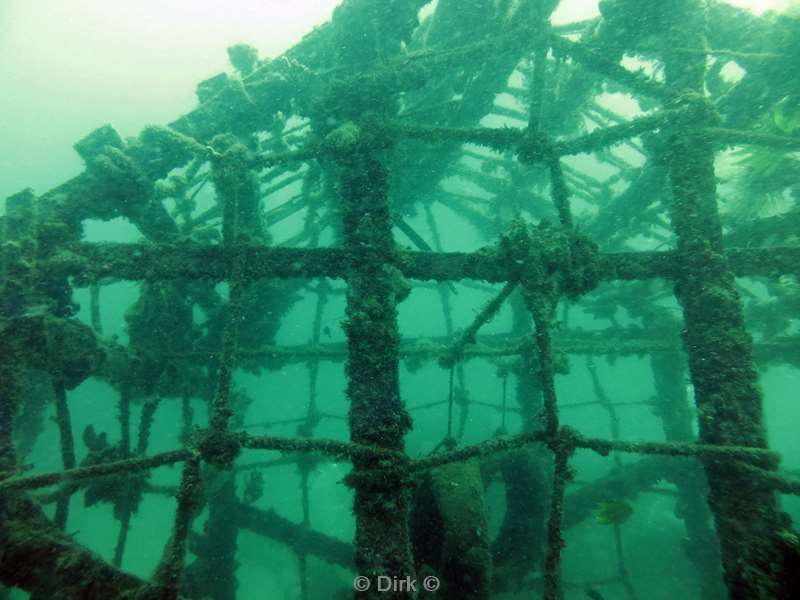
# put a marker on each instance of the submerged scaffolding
(382, 109)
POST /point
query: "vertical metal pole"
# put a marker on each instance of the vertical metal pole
(94, 307)
(542, 308)
(729, 402)
(18, 248)
(125, 446)
(235, 188)
(171, 566)
(377, 415)
(67, 447)
(10, 398)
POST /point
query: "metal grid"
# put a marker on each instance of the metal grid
(545, 263)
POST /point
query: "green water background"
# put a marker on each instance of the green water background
(67, 71)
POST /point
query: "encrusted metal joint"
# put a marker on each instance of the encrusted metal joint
(547, 259)
(219, 448)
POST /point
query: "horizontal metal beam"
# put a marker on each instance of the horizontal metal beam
(188, 260)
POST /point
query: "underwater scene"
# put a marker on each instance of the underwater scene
(380, 299)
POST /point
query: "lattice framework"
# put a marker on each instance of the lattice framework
(42, 249)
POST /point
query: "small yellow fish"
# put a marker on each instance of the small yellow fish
(613, 512)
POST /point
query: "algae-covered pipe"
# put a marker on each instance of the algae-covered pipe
(377, 415)
(751, 529)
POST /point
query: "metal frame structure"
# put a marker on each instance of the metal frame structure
(383, 109)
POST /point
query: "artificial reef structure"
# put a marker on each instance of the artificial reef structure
(368, 120)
